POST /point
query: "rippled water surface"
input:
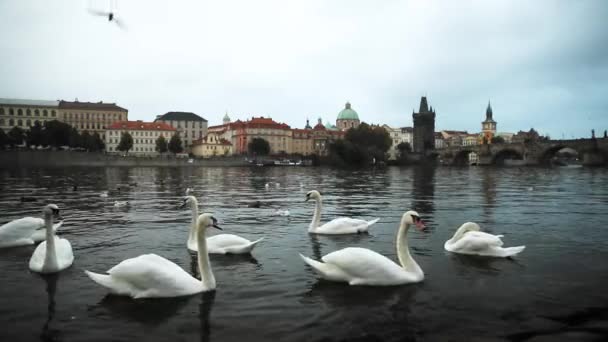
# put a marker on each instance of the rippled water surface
(556, 288)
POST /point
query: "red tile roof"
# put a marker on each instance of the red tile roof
(140, 125)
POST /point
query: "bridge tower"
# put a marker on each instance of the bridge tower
(424, 128)
(488, 126)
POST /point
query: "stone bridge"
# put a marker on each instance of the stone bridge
(590, 152)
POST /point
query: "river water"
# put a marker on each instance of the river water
(554, 290)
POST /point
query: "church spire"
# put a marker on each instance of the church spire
(489, 111)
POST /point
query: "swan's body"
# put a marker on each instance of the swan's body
(469, 240)
(152, 276)
(120, 204)
(24, 231)
(361, 266)
(342, 225)
(217, 244)
(55, 254)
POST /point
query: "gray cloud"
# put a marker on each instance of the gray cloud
(541, 63)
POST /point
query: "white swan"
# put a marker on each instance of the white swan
(54, 254)
(342, 225)
(469, 240)
(152, 276)
(24, 231)
(361, 266)
(217, 244)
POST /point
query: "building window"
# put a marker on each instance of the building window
(19, 122)
(28, 123)
(45, 113)
(28, 112)
(36, 112)
(19, 112)
(11, 122)
(53, 113)
(1, 122)
(11, 111)
(1, 111)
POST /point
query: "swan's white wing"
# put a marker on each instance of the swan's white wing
(19, 232)
(229, 243)
(226, 240)
(476, 242)
(64, 255)
(343, 225)
(367, 267)
(154, 276)
(37, 259)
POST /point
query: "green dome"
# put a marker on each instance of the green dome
(348, 113)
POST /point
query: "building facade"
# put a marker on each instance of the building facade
(93, 117)
(347, 118)
(190, 126)
(23, 113)
(398, 136)
(323, 137)
(211, 145)
(302, 141)
(488, 126)
(439, 141)
(144, 136)
(424, 128)
(240, 133)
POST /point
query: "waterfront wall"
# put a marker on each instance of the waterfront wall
(49, 158)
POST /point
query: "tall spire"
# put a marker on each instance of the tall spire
(424, 106)
(489, 111)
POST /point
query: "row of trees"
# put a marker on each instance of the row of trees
(363, 145)
(54, 134)
(174, 145)
(59, 134)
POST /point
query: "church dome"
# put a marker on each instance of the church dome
(348, 113)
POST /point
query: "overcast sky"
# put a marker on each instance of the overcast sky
(543, 64)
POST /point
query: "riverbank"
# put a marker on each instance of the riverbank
(32, 158)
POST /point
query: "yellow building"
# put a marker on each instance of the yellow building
(144, 136)
(23, 113)
(93, 117)
(212, 145)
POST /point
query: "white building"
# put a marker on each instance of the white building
(398, 135)
(190, 126)
(144, 136)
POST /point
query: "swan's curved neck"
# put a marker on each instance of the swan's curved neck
(50, 259)
(192, 235)
(204, 266)
(459, 233)
(403, 251)
(316, 217)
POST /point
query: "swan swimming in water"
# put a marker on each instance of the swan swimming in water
(217, 244)
(55, 254)
(152, 276)
(24, 231)
(468, 239)
(342, 225)
(361, 266)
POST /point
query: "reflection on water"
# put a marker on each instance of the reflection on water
(48, 333)
(559, 214)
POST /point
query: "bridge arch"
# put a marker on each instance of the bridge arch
(500, 157)
(461, 158)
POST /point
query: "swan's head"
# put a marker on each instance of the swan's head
(188, 201)
(52, 210)
(205, 221)
(412, 217)
(313, 195)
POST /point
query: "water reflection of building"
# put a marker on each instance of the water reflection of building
(488, 190)
(423, 190)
